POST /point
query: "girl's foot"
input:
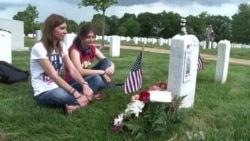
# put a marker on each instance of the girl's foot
(68, 109)
(99, 96)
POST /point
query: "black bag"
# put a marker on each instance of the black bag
(11, 74)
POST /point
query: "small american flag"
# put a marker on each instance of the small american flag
(134, 80)
(200, 64)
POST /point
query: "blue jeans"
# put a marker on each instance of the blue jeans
(57, 97)
(96, 82)
(102, 64)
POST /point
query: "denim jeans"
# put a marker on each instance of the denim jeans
(96, 82)
(102, 64)
(56, 97)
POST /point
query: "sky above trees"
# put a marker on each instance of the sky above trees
(69, 9)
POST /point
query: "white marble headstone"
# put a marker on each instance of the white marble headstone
(115, 43)
(69, 38)
(161, 40)
(5, 46)
(136, 40)
(17, 33)
(222, 63)
(128, 39)
(38, 35)
(182, 74)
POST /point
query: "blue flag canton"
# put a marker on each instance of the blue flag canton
(137, 64)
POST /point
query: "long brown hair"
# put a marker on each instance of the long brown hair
(48, 37)
(83, 33)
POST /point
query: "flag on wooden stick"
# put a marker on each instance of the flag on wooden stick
(200, 64)
(134, 79)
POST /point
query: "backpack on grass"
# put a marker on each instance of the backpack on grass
(10, 74)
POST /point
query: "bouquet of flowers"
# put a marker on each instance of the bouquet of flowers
(142, 117)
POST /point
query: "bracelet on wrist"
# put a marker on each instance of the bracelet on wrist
(85, 83)
(73, 92)
(78, 97)
(71, 89)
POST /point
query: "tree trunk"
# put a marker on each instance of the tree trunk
(103, 29)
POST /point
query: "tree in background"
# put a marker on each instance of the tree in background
(28, 16)
(221, 26)
(83, 23)
(37, 25)
(126, 16)
(99, 5)
(146, 21)
(72, 26)
(95, 23)
(170, 24)
(196, 25)
(241, 24)
(128, 26)
(164, 24)
(113, 22)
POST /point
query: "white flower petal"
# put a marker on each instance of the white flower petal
(118, 120)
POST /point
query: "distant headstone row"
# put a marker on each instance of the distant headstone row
(162, 42)
(136, 40)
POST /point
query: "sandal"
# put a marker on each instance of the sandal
(99, 96)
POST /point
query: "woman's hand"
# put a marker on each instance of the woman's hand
(82, 100)
(87, 91)
(110, 71)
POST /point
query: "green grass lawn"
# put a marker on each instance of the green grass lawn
(220, 112)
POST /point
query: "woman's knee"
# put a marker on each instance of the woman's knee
(97, 79)
(105, 61)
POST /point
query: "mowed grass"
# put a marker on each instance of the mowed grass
(220, 112)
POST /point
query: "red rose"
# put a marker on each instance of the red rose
(144, 96)
(163, 85)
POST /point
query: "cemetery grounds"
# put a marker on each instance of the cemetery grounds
(220, 112)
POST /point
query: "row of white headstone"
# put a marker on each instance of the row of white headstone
(160, 41)
(16, 28)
